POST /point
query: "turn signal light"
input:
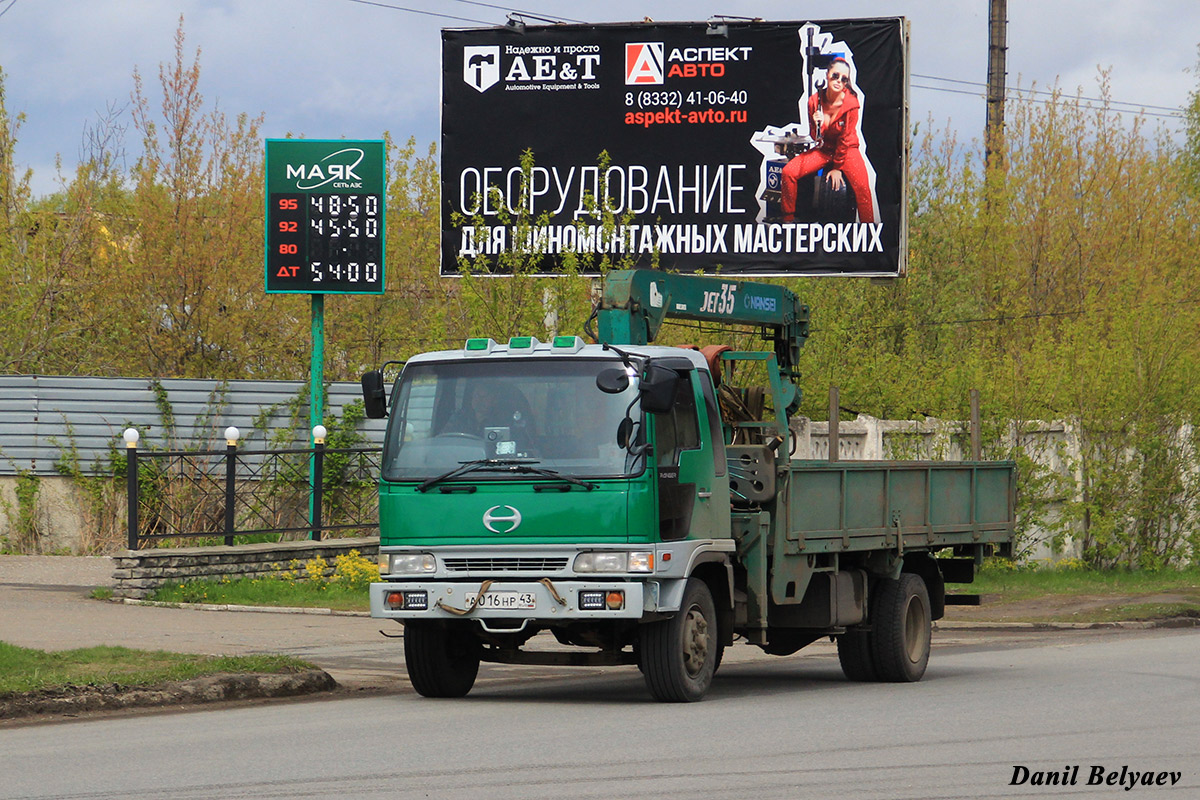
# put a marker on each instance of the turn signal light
(615, 600)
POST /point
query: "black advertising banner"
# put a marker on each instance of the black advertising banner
(756, 148)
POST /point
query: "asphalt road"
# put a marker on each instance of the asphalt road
(771, 727)
(778, 728)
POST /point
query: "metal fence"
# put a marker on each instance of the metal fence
(45, 420)
(235, 496)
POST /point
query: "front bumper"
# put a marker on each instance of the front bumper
(547, 574)
(554, 600)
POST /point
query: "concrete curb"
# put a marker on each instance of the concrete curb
(1132, 625)
(210, 689)
(1136, 625)
(325, 612)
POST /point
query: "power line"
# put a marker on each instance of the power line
(416, 11)
(1141, 110)
(552, 17)
(1171, 113)
(948, 91)
(1041, 91)
(999, 319)
(8, 7)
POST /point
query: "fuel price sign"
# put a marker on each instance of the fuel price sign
(325, 216)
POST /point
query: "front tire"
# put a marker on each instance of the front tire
(442, 658)
(679, 655)
(901, 629)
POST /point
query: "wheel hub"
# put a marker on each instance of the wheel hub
(695, 641)
(914, 630)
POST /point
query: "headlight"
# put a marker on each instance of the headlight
(407, 563)
(600, 561)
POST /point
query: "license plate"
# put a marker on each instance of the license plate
(504, 600)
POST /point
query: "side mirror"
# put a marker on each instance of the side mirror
(658, 388)
(613, 381)
(625, 434)
(374, 395)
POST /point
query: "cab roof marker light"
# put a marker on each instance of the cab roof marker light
(522, 344)
(479, 347)
(568, 345)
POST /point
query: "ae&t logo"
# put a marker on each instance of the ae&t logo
(481, 66)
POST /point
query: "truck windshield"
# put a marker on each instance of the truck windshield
(546, 412)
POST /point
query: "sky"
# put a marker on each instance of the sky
(358, 68)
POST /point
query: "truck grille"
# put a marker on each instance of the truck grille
(509, 564)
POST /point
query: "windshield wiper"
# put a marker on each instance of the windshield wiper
(549, 473)
(468, 466)
(503, 465)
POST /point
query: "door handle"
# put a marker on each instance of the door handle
(704, 495)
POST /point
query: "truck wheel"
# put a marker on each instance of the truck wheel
(901, 629)
(854, 654)
(442, 659)
(679, 655)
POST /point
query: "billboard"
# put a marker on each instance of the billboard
(754, 148)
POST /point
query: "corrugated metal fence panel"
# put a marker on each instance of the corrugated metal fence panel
(44, 418)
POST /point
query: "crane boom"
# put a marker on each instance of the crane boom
(635, 303)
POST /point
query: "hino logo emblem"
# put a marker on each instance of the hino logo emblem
(495, 516)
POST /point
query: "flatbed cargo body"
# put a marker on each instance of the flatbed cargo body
(849, 506)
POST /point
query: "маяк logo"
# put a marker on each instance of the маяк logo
(337, 166)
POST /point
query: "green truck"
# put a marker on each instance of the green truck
(636, 503)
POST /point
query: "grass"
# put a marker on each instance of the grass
(267, 592)
(27, 670)
(1069, 594)
(1027, 583)
(341, 586)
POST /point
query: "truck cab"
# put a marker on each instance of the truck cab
(530, 486)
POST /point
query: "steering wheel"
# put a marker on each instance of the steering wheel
(458, 435)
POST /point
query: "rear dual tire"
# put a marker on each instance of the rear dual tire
(896, 649)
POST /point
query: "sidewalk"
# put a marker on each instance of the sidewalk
(47, 605)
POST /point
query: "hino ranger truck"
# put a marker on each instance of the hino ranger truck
(640, 506)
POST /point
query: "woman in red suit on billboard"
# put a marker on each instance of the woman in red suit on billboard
(833, 120)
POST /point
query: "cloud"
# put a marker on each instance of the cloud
(329, 68)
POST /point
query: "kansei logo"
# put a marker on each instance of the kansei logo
(481, 66)
(643, 63)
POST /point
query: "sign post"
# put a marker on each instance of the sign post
(325, 229)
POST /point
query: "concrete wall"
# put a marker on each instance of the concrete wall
(57, 521)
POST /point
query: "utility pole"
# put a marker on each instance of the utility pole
(997, 57)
